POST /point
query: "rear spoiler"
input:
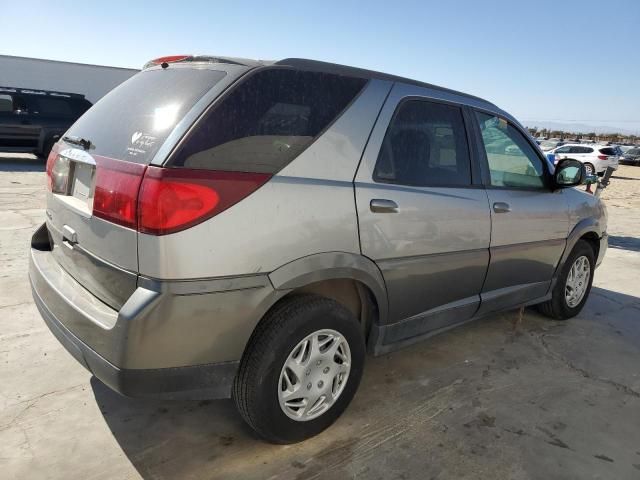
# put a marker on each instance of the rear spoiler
(36, 91)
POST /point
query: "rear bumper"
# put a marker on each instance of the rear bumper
(195, 382)
(169, 339)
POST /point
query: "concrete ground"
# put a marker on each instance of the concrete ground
(495, 399)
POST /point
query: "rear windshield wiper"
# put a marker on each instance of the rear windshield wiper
(81, 142)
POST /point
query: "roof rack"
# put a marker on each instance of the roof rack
(40, 92)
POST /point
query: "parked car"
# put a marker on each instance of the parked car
(548, 145)
(596, 158)
(32, 121)
(631, 156)
(251, 229)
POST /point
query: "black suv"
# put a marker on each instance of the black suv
(31, 121)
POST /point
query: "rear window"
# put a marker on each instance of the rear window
(267, 121)
(608, 151)
(132, 121)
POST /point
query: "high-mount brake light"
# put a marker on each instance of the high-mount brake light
(167, 59)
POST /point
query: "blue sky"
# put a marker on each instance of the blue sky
(563, 61)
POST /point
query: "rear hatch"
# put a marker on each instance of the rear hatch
(91, 221)
(610, 154)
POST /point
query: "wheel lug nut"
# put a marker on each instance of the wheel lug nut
(309, 386)
(320, 384)
(318, 362)
(308, 372)
(326, 370)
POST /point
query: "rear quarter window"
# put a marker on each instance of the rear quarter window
(608, 151)
(267, 120)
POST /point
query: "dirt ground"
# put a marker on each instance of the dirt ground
(494, 399)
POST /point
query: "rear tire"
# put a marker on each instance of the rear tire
(267, 400)
(566, 301)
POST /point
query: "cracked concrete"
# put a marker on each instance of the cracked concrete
(502, 398)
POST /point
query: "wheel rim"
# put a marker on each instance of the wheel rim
(314, 375)
(577, 281)
(588, 169)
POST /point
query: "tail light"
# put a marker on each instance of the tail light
(116, 190)
(175, 199)
(51, 160)
(603, 157)
(159, 201)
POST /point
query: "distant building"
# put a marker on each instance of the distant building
(92, 81)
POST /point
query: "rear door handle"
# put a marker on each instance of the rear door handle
(381, 205)
(501, 207)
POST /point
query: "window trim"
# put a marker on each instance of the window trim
(473, 173)
(228, 91)
(547, 177)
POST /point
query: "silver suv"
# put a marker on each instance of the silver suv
(222, 227)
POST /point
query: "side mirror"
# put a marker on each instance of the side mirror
(568, 173)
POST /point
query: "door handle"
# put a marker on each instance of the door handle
(381, 205)
(501, 207)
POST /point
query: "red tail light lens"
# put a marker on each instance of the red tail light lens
(51, 160)
(116, 190)
(175, 199)
(603, 157)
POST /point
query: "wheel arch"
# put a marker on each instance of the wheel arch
(588, 229)
(350, 279)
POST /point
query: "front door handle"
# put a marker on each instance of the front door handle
(501, 207)
(381, 205)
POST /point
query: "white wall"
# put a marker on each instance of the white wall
(93, 81)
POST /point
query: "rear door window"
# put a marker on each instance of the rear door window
(267, 121)
(132, 121)
(425, 145)
(6, 103)
(50, 107)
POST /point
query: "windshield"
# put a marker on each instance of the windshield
(132, 121)
(546, 145)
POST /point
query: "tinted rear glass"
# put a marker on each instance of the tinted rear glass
(608, 151)
(50, 106)
(267, 120)
(132, 121)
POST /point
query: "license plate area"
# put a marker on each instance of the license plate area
(73, 183)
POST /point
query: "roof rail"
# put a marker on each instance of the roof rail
(327, 67)
(38, 91)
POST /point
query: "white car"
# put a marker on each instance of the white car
(596, 158)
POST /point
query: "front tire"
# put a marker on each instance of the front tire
(573, 285)
(301, 368)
